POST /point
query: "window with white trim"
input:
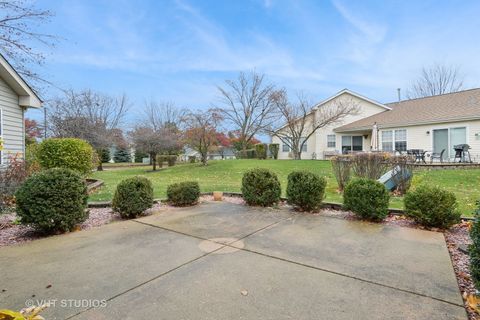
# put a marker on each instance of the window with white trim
(387, 140)
(401, 140)
(394, 140)
(304, 147)
(286, 147)
(331, 141)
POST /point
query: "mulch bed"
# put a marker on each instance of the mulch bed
(457, 237)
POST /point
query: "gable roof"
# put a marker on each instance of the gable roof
(26, 96)
(450, 107)
(339, 93)
(350, 92)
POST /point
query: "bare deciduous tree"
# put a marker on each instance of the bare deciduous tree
(162, 114)
(19, 21)
(89, 115)
(297, 121)
(247, 105)
(201, 132)
(155, 141)
(436, 79)
(158, 131)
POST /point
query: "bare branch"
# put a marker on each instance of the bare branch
(19, 21)
(201, 132)
(435, 80)
(89, 115)
(246, 105)
(298, 121)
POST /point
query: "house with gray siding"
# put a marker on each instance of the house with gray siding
(16, 97)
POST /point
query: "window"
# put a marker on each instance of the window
(285, 147)
(331, 141)
(387, 140)
(394, 140)
(304, 147)
(401, 140)
(352, 143)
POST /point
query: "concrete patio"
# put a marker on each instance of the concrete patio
(227, 261)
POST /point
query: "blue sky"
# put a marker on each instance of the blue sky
(180, 50)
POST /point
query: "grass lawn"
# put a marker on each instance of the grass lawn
(227, 176)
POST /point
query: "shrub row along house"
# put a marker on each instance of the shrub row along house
(431, 124)
(16, 97)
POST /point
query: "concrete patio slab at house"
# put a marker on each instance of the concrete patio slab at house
(283, 266)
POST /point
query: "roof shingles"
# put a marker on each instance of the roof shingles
(458, 106)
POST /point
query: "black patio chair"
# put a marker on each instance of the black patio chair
(436, 155)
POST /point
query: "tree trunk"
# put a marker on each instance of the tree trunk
(204, 159)
(100, 166)
(297, 155)
(154, 161)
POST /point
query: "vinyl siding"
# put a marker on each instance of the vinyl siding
(318, 141)
(12, 131)
(417, 137)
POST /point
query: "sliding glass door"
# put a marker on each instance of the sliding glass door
(440, 142)
(447, 139)
(352, 143)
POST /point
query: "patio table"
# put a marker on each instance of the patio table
(419, 154)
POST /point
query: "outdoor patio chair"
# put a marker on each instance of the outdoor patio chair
(436, 155)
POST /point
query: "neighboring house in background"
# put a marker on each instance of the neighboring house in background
(432, 124)
(226, 153)
(15, 98)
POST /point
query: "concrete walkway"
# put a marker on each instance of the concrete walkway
(227, 261)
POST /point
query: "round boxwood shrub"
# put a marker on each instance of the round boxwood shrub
(132, 197)
(70, 153)
(52, 201)
(260, 187)
(368, 199)
(432, 206)
(305, 190)
(183, 193)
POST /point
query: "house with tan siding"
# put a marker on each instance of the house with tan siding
(16, 97)
(432, 124)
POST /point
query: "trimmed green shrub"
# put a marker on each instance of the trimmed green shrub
(132, 197)
(69, 153)
(306, 190)
(368, 199)
(183, 193)
(54, 200)
(192, 159)
(432, 207)
(246, 154)
(274, 147)
(171, 159)
(160, 160)
(122, 155)
(261, 151)
(475, 248)
(260, 187)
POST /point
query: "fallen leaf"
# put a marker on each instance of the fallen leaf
(473, 302)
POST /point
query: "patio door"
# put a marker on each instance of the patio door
(440, 142)
(352, 143)
(457, 136)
